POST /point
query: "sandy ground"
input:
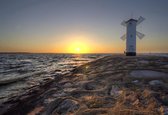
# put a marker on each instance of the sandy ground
(113, 85)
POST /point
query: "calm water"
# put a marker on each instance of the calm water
(19, 72)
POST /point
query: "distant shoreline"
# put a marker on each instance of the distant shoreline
(48, 53)
(73, 53)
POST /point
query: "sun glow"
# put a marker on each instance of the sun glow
(77, 43)
(78, 47)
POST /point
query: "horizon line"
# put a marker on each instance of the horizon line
(75, 53)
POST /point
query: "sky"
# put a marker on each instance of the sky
(83, 26)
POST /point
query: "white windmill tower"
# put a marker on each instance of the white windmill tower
(131, 34)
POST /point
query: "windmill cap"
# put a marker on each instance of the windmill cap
(131, 20)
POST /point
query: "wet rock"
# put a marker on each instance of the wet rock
(131, 97)
(166, 66)
(148, 74)
(68, 84)
(99, 102)
(115, 91)
(147, 93)
(95, 103)
(49, 100)
(65, 84)
(66, 106)
(136, 102)
(164, 110)
(95, 112)
(51, 107)
(59, 94)
(109, 102)
(135, 81)
(93, 85)
(69, 89)
(144, 62)
(105, 86)
(164, 100)
(90, 86)
(156, 82)
(36, 110)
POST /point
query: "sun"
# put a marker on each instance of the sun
(78, 48)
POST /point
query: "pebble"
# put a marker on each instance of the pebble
(155, 82)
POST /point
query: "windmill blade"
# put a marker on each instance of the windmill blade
(140, 20)
(123, 23)
(140, 35)
(123, 37)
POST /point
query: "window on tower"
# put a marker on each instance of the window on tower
(131, 35)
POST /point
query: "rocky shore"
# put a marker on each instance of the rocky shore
(112, 85)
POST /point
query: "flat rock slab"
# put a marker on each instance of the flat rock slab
(148, 74)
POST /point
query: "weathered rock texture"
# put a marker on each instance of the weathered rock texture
(113, 85)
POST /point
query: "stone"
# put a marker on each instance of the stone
(164, 110)
(59, 94)
(136, 102)
(115, 91)
(69, 89)
(144, 62)
(67, 84)
(135, 81)
(166, 66)
(66, 106)
(148, 74)
(90, 86)
(93, 86)
(155, 82)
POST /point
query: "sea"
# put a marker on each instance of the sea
(19, 72)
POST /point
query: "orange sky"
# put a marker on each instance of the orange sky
(80, 26)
